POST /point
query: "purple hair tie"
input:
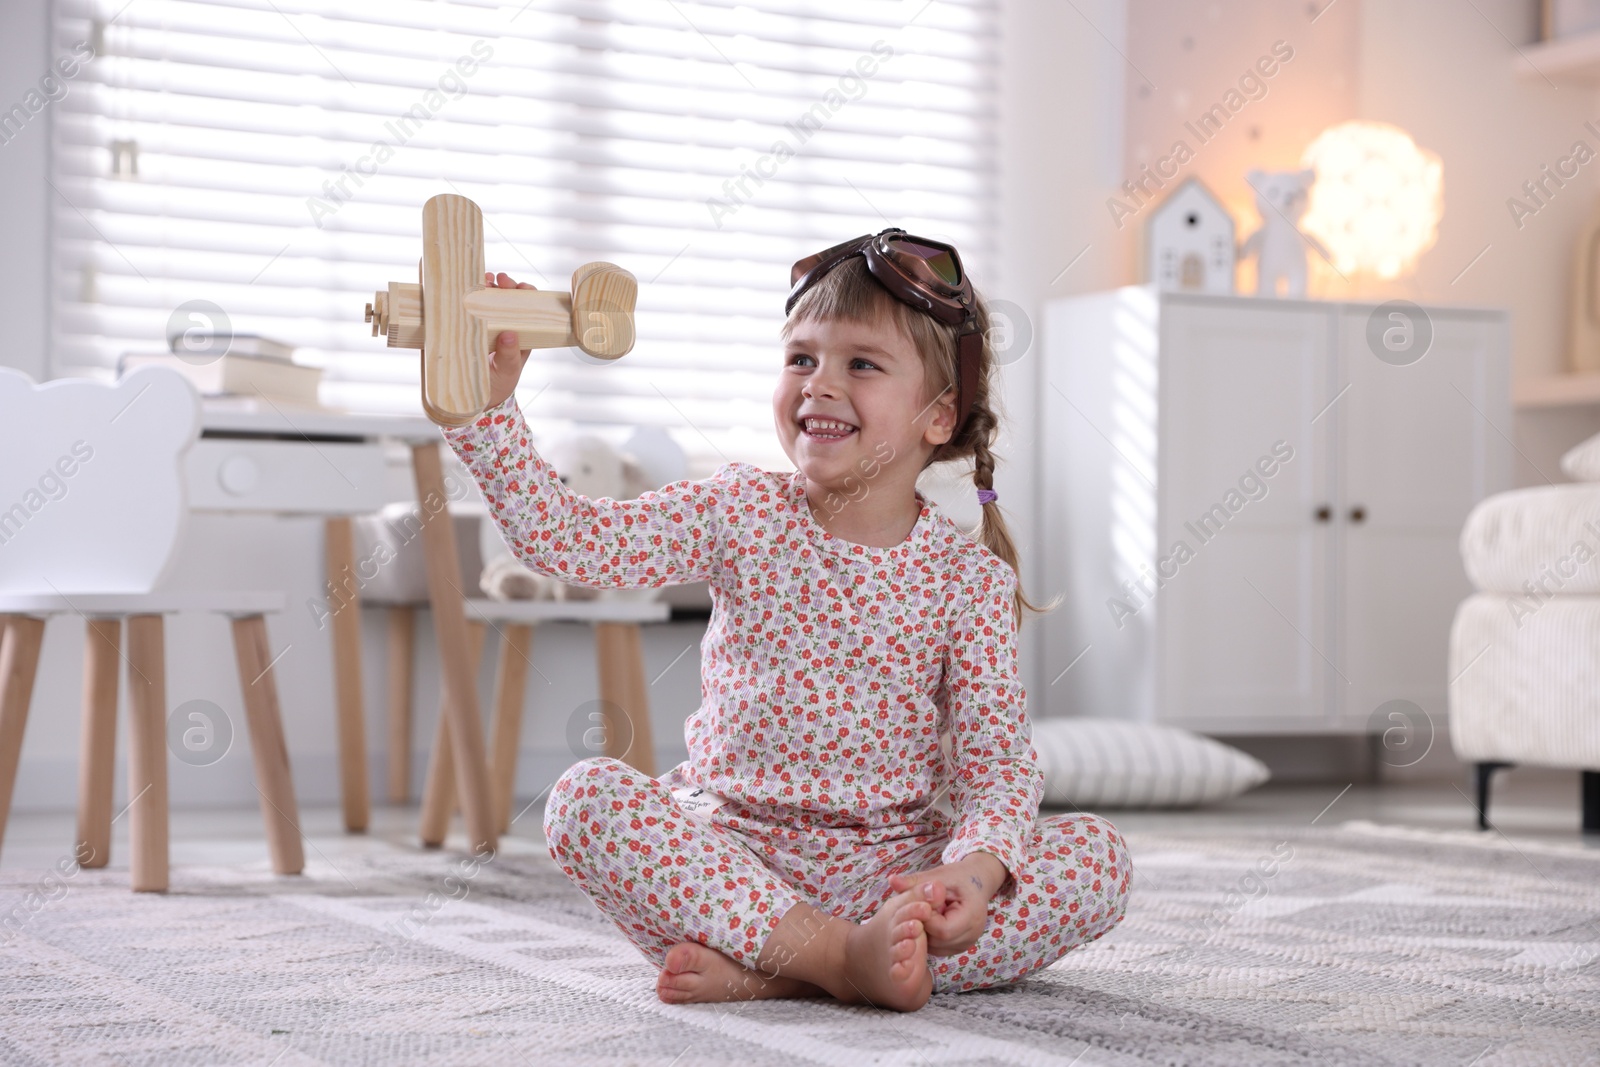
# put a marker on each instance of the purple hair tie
(987, 496)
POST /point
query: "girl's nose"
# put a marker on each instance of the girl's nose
(819, 384)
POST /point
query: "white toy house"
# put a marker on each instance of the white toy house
(1189, 242)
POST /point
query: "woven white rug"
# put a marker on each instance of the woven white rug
(1361, 946)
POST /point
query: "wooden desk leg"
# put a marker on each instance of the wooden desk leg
(510, 685)
(402, 631)
(345, 605)
(439, 794)
(622, 684)
(450, 627)
(279, 812)
(19, 662)
(147, 754)
(102, 658)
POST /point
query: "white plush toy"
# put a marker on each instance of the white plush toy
(592, 467)
(1279, 244)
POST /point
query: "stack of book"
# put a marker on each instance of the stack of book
(248, 365)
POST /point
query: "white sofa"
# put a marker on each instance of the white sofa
(1525, 649)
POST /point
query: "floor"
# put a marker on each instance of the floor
(1529, 805)
(1399, 934)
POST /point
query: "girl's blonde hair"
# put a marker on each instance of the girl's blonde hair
(849, 292)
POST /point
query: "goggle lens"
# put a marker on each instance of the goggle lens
(941, 260)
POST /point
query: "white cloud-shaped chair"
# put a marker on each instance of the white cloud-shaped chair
(91, 508)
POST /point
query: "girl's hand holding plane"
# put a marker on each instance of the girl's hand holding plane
(505, 368)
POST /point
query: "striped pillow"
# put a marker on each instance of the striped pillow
(1581, 462)
(1105, 763)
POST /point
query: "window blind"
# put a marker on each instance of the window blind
(272, 157)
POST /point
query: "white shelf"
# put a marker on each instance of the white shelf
(1574, 60)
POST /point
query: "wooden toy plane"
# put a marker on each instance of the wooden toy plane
(454, 318)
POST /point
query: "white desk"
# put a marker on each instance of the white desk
(259, 458)
(262, 457)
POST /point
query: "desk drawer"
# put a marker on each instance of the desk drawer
(227, 474)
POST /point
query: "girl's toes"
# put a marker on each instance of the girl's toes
(914, 911)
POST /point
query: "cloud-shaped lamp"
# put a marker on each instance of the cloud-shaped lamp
(1377, 199)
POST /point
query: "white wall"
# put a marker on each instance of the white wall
(1060, 147)
(24, 196)
(1446, 75)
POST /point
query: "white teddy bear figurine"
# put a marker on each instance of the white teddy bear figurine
(1281, 198)
(591, 467)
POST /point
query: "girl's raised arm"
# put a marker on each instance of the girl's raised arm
(996, 784)
(668, 536)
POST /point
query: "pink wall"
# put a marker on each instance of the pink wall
(1439, 69)
(1184, 60)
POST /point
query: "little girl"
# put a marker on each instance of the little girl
(800, 849)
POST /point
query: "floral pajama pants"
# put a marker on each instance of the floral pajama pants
(665, 877)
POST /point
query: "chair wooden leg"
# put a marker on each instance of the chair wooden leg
(510, 685)
(340, 553)
(438, 785)
(19, 663)
(471, 767)
(402, 631)
(279, 812)
(147, 754)
(102, 659)
(621, 662)
(439, 793)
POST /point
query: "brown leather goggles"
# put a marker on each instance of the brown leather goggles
(917, 271)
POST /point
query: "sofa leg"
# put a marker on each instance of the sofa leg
(1591, 802)
(1485, 772)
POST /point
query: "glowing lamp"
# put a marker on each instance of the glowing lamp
(1377, 198)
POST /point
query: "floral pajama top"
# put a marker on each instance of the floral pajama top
(830, 670)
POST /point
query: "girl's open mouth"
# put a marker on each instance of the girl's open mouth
(826, 429)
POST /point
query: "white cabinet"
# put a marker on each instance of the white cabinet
(1251, 515)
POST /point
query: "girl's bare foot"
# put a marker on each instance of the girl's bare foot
(696, 974)
(886, 957)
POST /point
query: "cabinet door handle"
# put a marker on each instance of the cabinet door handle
(1324, 513)
(1358, 514)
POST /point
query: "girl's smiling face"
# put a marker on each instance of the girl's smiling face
(868, 377)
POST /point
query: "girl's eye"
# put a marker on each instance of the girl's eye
(802, 355)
